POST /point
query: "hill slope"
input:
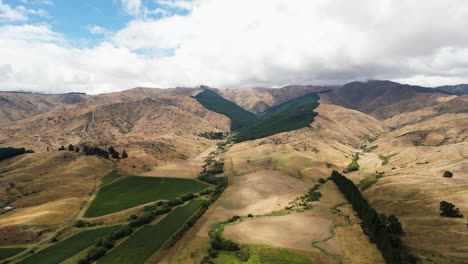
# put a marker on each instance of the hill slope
(214, 102)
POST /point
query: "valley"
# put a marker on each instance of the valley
(258, 194)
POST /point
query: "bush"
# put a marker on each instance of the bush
(250, 215)
(79, 223)
(233, 219)
(142, 219)
(220, 243)
(206, 260)
(175, 202)
(123, 231)
(96, 253)
(213, 253)
(449, 210)
(243, 256)
(104, 242)
(448, 174)
(322, 180)
(188, 196)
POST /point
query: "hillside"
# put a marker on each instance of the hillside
(407, 137)
(258, 100)
(384, 99)
(291, 115)
(239, 116)
(459, 89)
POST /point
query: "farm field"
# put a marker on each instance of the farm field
(135, 190)
(68, 247)
(9, 252)
(111, 176)
(141, 245)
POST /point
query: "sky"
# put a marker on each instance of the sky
(97, 46)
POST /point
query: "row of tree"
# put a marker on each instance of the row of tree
(382, 230)
(111, 152)
(9, 152)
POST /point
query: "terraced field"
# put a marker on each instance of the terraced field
(134, 190)
(141, 245)
(68, 247)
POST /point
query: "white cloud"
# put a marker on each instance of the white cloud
(18, 13)
(97, 30)
(132, 7)
(224, 43)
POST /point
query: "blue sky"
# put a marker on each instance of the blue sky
(98, 46)
(75, 19)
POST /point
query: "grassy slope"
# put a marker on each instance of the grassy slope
(291, 115)
(141, 245)
(264, 255)
(214, 102)
(133, 191)
(8, 252)
(68, 247)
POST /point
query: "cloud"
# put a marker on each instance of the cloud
(224, 43)
(97, 30)
(132, 7)
(18, 13)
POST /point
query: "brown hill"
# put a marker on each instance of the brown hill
(384, 99)
(257, 100)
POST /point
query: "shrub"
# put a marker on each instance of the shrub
(449, 210)
(142, 219)
(233, 219)
(448, 174)
(322, 180)
(213, 253)
(243, 256)
(220, 243)
(123, 231)
(206, 260)
(175, 202)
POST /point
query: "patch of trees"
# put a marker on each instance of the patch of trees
(382, 230)
(291, 115)
(354, 165)
(9, 152)
(212, 135)
(239, 116)
(448, 174)
(97, 151)
(81, 224)
(90, 151)
(448, 209)
(313, 195)
(104, 244)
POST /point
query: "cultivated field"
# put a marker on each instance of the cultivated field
(134, 190)
(141, 245)
(9, 252)
(68, 247)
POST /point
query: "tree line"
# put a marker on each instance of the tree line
(382, 230)
(9, 152)
(87, 150)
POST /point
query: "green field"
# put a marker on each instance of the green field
(291, 115)
(141, 245)
(134, 190)
(9, 252)
(238, 115)
(263, 255)
(68, 247)
(110, 177)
